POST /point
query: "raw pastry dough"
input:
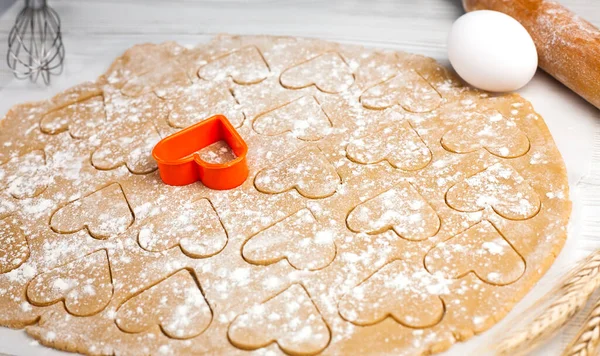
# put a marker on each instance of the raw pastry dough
(388, 210)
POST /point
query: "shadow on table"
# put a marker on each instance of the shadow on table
(457, 4)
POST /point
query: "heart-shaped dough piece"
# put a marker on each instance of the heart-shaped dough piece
(290, 319)
(299, 239)
(163, 80)
(399, 145)
(80, 118)
(480, 249)
(195, 227)
(408, 89)
(125, 115)
(78, 94)
(104, 213)
(401, 290)
(85, 285)
(245, 66)
(303, 117)
(401, 209)
(256, 101)
(14, 249)
(498, 186)
(133, 150)
(308, 171)
(437, 75)
(175, 304)
(489, 130)
(200, 101)
(328, 72)
(142, 59)
(25, 176)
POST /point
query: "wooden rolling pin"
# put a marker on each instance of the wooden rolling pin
(568, 47)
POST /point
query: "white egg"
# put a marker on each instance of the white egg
(492, 51)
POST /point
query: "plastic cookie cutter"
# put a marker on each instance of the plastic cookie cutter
(179, 161)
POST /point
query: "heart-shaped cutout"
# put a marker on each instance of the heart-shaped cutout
(399, 145)
(200, 100)
(78, 94)
(372, 67)
(162, 80)
(489, 130)
(401, 209)
(84, 285)
(299, 239)
(245, 66)
(180, 162)
(260, 100)
(195, 227)
(438, 76)
(175, 304)
(126, 115)
(104, 213)
(308, 171)
(141, 59)
(303, 118)
(25, 176)
(480, 249)
(328, 72)
(290, 319)
(14, 249)
(407, 89)
(133, 150)
(81, 119)
(401, 290)
(499, 187)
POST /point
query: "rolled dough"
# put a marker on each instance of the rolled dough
(389, 209)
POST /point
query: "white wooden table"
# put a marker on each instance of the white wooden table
(95, 32)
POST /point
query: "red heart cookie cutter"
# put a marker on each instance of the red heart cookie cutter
(179, 162)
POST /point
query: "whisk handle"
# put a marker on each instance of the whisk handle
(36, 4)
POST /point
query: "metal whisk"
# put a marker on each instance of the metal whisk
(35, 46)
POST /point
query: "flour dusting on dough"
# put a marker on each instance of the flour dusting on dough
(388, 208)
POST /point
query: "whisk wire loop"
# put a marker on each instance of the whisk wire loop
(35, 46)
